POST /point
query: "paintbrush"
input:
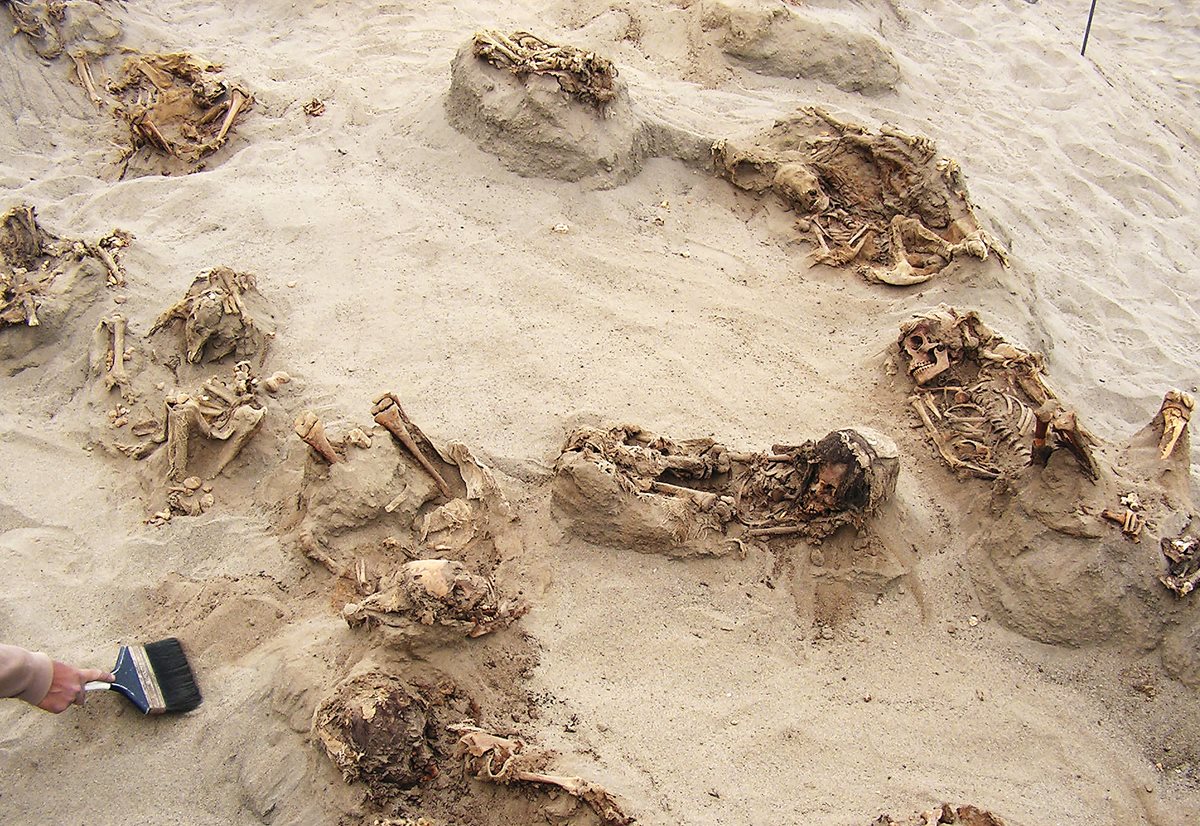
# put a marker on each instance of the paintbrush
(155, 677)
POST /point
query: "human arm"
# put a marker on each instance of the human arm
(40, 681)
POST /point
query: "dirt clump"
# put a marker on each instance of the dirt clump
(546, 111)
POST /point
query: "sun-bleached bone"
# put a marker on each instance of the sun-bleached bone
(388, 412)
(312, 432)
(274, 382)
(496, 759)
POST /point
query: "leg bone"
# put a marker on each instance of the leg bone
(310, 429)
(387, 412)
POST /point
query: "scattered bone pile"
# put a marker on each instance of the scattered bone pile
(882, 199)
(944, 815)
(585, 75)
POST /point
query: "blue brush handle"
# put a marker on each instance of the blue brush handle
(127, 682)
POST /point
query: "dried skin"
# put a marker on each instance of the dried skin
(177, 106)
(376, 728)
(982, 401)
(503, 760)
(810, 489)
(882, 199)
(436, 591)
(214, 318)
(584, 75)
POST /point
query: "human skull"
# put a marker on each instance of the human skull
(935, 342)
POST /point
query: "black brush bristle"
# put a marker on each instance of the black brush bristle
(174, 675)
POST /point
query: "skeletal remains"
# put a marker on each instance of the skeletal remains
(700, 487)
(215, 320)
(983, 402)
(882, 199)
(227, 412)
(383, 731)
(944, 815)
(584, 75)
(32, 258)
(435, 591)
(176, 105)
(497, 759)
(83, 29)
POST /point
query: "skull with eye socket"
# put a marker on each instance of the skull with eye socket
(937, 341)
(800, 189)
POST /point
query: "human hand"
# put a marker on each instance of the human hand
(66, 686)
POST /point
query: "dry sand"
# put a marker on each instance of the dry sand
(698, 691)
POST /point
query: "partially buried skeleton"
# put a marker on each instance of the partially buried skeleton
(33, 258)
(394, 735)
(222, 314)
(984, 402)
(391, 499)
(884, 200)
(177, 108)
(627, 486)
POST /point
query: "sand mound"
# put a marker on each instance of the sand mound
(779, 39)
(537, 127)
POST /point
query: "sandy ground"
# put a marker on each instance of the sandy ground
(698, 691)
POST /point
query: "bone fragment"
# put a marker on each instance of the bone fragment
(311, 430)
(358, 438)
(215, 387)
(1176, 412)
(387, 412)
(276, 380)
(703, 499)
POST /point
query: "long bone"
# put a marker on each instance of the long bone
(111, 330)
(388, 412)
(311, 430)
(481, 750)
(1176, 412)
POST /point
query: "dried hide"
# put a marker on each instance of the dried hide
(944, 815)
(882, 199)
(216, 321)
(442, 592)
(178, 110)
(584, 75)
(983, 402)
(384, 732)
(629, 487)
(504, 760)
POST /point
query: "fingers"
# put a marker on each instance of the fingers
(90, 674)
